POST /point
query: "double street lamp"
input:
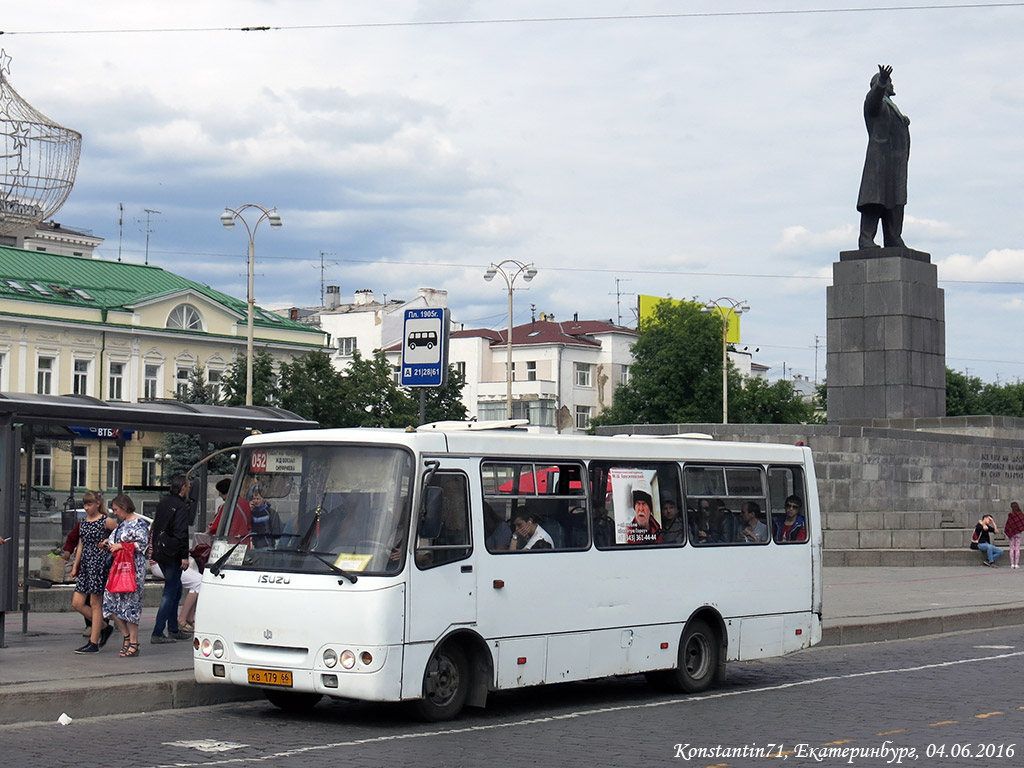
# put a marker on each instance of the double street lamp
(228, 220)
(510, 269)
(725, 305)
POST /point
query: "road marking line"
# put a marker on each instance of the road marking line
(834, 743)
(943, 722)
(206, 745)
(890, 733)
(989, 714)
(588, 713)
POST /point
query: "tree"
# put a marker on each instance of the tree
(445, 403)
(676, 376)
(371, 397)
(759, 402)
(264, 387)
(186, 449)
(963, 394)
(313, 388)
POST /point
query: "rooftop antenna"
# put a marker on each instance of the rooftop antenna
(149, 212)
(323, 267)
(120, 229)
(618, 295)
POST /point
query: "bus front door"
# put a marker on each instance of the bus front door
(442, 586)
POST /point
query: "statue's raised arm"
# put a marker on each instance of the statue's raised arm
(883, 185)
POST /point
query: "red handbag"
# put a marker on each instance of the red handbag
(122, 572)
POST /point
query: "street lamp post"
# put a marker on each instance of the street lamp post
(228, 220)
(510, 269)
(724, 305)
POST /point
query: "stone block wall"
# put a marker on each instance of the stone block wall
(897, 486)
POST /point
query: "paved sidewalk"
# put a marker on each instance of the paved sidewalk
(40, 677)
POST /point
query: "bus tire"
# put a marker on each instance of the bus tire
(293, 701)
(698, 657)
(697, 662)
(445, 684)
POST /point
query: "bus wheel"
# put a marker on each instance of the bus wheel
(698, 657)
(445, 684)
(292, 701)
(695, 668)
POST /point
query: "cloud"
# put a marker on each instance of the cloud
(797, 240)
(995, 266)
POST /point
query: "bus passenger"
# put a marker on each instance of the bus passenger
(528, 534)
(266, 524)
(792, 526)
(240, 525)
(644, 529)
(498, 534)
(671, 522)
(755, 531)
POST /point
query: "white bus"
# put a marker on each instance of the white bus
(437, 565)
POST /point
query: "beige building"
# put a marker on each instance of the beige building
(117, 332)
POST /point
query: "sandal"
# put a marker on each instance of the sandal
(131, 650)
(124, 646)
(188, 627)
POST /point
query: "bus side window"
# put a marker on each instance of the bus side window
(787, 494)
(453, 543)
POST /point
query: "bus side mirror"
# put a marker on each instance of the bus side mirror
(430, 517)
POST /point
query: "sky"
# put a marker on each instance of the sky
(695, 149)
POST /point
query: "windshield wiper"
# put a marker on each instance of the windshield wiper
(348, 575)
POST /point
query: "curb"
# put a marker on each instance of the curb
(36, 702)
(921, 626)
(145, 692)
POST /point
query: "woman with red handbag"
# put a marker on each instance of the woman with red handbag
(122, 599)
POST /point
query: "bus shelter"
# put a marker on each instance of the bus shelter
(25, 418)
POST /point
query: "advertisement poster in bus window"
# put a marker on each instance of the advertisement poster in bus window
(637, 505)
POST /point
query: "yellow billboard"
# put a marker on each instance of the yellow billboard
(646, 305)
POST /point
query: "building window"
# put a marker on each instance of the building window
(149, 466)
(80, 466)
(213, 378)
(151, 382)
(181, 382)
(461, 368)
(44, 375)
(396, 374)
(42, 465)
(80, 385)
(583, 416)
(624, 375)
(513, 374)
(346, 346)
(540, 413)
(115, 390)
(3, 360)
(186, 317)
(531, 370)
(583, 374)
(113, 467)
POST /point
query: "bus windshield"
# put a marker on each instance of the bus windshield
(320, 508)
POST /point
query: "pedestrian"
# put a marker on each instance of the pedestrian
(191, 580)
(170, 552)
(241, 520)
(1013, 529)
(980, 540)
(90, 569)
(126, 607)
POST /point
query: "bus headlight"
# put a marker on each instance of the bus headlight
(218, 648)
(348, 659)
(330, 657)
(206, 648)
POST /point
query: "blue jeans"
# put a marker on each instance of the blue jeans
(991, 551)
(167, 613)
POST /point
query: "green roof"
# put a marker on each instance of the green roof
(106, 284)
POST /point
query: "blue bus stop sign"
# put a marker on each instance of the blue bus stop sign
(425, 347)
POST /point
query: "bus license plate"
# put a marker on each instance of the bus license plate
(270, 677)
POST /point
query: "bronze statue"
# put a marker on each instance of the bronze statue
(883, 185)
